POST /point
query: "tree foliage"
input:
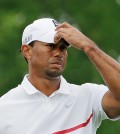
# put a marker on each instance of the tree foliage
(98, 19)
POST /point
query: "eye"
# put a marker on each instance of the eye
(50, 45)
(63, 47)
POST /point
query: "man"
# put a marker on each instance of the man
(44, 103)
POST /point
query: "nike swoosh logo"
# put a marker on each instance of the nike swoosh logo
(68, 105)
(70, 101)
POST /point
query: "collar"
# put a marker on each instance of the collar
(63, 89)
(30, 89)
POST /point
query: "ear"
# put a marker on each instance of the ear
(26, 51)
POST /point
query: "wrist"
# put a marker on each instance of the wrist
(89, 46)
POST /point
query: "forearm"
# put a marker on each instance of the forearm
(107, 66)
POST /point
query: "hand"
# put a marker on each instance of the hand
(72, 35)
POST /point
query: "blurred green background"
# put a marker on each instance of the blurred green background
(98, 19)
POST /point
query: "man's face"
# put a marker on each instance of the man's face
(48, 60)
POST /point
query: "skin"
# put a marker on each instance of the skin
(46, 63)
(107, 66)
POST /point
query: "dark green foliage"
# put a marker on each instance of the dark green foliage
(98, 19)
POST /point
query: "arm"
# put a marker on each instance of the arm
(107, 67)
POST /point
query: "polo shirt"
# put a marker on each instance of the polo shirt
(72, 109)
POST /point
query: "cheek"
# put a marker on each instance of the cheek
(66, 55)
(65, 58)
(40, 59)
(36, 58)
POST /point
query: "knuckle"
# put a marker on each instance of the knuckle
(65, 23)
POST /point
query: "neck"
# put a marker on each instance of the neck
(46, 86)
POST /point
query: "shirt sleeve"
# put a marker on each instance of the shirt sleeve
(98, 91)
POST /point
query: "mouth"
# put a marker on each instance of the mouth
(57, 64)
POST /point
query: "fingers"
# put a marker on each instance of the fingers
(71, 35)
(63, 25)
(56, 38)
(59, 34)
(61, 31)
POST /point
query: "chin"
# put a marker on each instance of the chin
(53, 74)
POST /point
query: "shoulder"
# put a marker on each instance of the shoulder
(11, 94)
(88, 89)
(88, 86)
